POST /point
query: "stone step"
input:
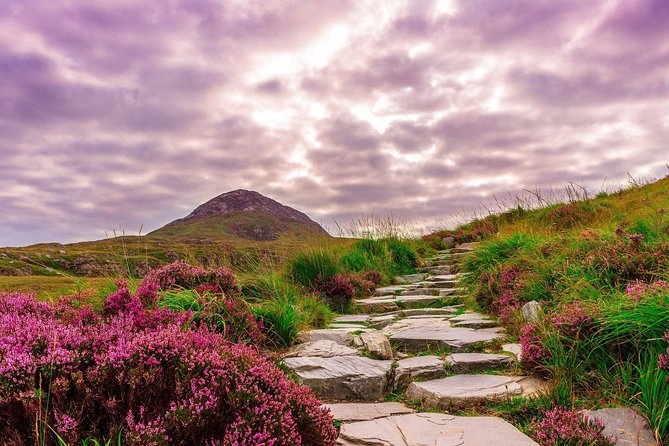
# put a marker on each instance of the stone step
(393, 289)
(418, 339)
(352, 319)
(321, 349)
(433, 429)
(419, 291)
(434, 270)
(478, 362)
(342, 378)
(445, 392)
(350, 412)
(384, 304)
(441, 284)
(411, 278)
(418, 367)
(473, 320)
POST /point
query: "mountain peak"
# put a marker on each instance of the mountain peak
(238, 206)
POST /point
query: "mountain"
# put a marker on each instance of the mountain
(245, 214)
(239, 229)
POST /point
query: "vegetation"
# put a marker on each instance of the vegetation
(599, 266)
(338, 275)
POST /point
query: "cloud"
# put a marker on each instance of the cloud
(115, 114)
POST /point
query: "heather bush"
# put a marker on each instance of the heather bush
(568, 427)
(146, 374)
(182, 275)
(230, 316)
(338, 291)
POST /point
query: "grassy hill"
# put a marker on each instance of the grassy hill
(599, 268)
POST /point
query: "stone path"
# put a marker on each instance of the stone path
(413, 339)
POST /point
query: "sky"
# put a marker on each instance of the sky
(123, 113)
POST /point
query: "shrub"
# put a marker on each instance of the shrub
(230, 316)
(158, 384)
(534, 355)
(337, 290)
(183, 275)
(308, 268)
(568, 427)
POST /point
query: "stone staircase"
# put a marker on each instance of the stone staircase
(415, 340)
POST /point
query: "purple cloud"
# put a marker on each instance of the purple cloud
(115, 114)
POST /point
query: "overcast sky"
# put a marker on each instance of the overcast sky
(115, 114)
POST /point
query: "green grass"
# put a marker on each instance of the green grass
(586, 251)
(284, 308)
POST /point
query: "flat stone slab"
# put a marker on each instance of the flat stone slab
(421, 291)
(411, 278)
(392, 289)
(377, 304)
(348, 412)
(625, 426)
(432, 429)
(420, 299)
(352, 319)
(383, 320)
(339, 336)
(445, 311)
(342, 378)
(348, 327)
(428, 321)
(457, 339)
(476, 362)
(322, 349)
(472, 320)
(418, 367)
(463, 388)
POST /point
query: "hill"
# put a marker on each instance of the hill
(245, 214)
(239, 229)
(583, 286)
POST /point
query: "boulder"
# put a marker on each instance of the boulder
(531, 311)
(377, 345)
(448, 242)
(625, 426)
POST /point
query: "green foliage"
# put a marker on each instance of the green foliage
(284, 309)
(311, 266)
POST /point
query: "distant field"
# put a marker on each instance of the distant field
(51, 287)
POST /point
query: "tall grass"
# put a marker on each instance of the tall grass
(307, 268)
(284, 309)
